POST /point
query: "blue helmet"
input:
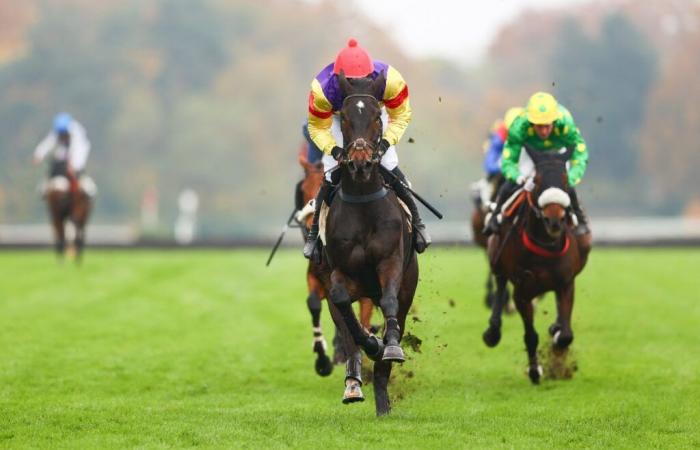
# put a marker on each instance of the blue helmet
(62, 122)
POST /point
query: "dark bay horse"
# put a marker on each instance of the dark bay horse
(67, 200)
(318, 275)
(538, 252)
(369, 246)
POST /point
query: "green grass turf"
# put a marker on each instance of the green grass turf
(179, 349)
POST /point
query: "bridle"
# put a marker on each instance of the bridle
(372, 145)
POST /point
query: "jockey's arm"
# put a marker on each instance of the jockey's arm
(320, 119)
(44, 147)
(397, 105)
(579, 157)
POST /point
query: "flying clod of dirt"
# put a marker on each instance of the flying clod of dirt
(452, 303)
(411, 140)
(413, 341)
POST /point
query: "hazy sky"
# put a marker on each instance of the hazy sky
(458, 30)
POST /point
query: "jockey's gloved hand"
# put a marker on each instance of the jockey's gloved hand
(383, 147)
(336, 153)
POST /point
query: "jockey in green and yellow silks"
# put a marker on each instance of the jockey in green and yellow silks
(545, 125)
(325, 101)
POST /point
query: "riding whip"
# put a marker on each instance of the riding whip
(279, 240)
(425, 203)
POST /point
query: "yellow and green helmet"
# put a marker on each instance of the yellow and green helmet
(542, 109)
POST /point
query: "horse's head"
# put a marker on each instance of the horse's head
(361, 124)
(551, 199)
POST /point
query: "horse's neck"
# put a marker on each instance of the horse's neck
(352, 187)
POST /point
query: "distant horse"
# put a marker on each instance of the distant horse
(368, 244)
(318, 275)
(69, 199)
(538, 252)
(478, 220)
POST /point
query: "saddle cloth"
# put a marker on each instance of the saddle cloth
(62, 184)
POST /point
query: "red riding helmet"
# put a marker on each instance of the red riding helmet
(354, 61)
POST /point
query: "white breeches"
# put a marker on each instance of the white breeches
(390, 160)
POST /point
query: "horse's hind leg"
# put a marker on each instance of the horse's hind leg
(561, 332)
(323, 364)
(525, 309)
(492, 335)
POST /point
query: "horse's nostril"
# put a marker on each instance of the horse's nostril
(367, 164)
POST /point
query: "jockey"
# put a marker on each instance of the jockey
(69, 147)
(326, 99)
(493, 148)
(544, 125)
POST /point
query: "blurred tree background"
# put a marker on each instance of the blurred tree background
(211, 94)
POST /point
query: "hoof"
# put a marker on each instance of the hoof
(554, 329)
(562, 342)
(383, 411)
(393, 353)
(492, 336)
(323, 366)
(353, 393)
(535, 373)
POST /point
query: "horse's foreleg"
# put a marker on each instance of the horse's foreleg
(561, 332)
(79, 242)
(389, 273)
(353, 366)
(382, 373)
(492, 335)
(59, 236)
(525, 309)
(340, 298)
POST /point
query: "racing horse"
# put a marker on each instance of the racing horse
(317, 275)
(538, 252)
(368, 244)
(69, 199)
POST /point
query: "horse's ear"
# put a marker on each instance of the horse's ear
(378, 86)
(345, 86)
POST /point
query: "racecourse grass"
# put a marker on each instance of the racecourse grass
(180, 349)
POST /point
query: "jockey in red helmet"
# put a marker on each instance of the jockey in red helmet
(326, 100)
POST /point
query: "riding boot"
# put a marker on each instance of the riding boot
(421, 239)
(506, 190)
(582, 226)
(311, 250)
